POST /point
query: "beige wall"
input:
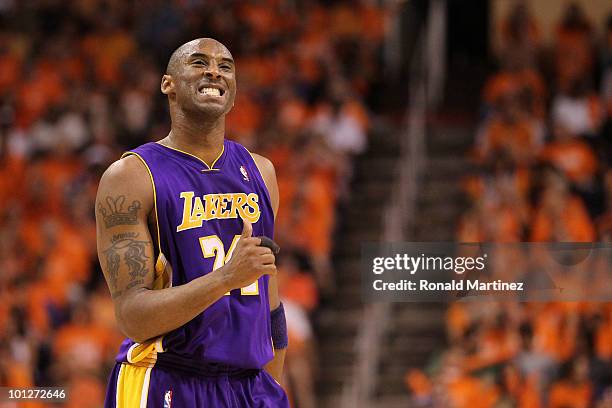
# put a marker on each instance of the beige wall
(547, 14)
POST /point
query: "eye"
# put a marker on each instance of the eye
(199, 62)
(226, 68)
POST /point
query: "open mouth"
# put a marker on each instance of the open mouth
(211, 91)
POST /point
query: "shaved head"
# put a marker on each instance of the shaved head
(200, 78)
(179, 54)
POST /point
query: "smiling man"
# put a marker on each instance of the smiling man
(182, 227)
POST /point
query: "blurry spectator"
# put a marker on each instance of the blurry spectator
(500, 210)
(532, 363)
(510, 131)
(571, 155)
(575, 390)
(560, 216)
(457, 388)
(345, 130)
(520, 34)
(517, 77)
(604, 223)
(421, 387)
(574, 47)
(81, 346)
(85, 392)
(578, 110)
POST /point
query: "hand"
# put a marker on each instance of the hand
(249, 260)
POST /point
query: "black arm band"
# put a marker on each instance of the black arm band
(278, 324)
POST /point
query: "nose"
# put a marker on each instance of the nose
(213, 70)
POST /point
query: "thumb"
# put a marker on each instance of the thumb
(247, 229)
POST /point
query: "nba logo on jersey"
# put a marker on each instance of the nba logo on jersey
(245, 175)
(168, 399)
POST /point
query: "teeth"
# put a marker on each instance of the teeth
(211, 91)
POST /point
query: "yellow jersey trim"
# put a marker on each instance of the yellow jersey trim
(266, 185)
(211, 167)
(258, 169)
(160, 282)
(132, 386)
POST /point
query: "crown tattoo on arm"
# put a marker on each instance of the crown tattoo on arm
(116, 215)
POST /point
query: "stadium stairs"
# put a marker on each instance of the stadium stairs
(338, 320)
(417, 330)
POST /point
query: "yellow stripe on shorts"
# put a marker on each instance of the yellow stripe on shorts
(133, 386)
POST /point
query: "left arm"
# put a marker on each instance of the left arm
(266, 168)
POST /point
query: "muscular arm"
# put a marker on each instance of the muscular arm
(274, 367)
(126, 254)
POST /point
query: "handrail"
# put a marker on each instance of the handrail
(399, 213)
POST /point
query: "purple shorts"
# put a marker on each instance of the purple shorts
(159, 387)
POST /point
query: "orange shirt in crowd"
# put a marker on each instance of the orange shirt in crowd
(86, 392)
(603, 341)
(418, 383)
(470, 392)
(86, 345)
(457, 320)
(574, 157)
(245, 117)
(505, 225)
(301, 289)
(372, 22)
(510, 82)
(21, 376)
(574, 224)
(67, 257)
(469, 229)
(497, 224)
(315, 218)
(260, 18)
(344, 21)
(520, 139)
(37, 93)
(36, 306)
(565, 394)
(553, 335)
(117, 45)
(293, 115)
(54, 174)
(12, 171)
(10, 71)
(528, 395)
(475, 185)
(494, 347)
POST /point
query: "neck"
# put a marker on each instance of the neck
(202, 137)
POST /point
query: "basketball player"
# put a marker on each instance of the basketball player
(179, 223)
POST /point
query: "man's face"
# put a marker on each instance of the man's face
(204, 79)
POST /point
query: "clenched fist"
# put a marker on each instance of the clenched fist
(249, 260)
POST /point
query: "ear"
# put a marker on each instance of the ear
(167, 85)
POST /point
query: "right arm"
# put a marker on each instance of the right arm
(126, 254)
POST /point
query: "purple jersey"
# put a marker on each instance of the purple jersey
(200, 211)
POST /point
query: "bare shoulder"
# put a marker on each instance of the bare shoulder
(129, 177)
(266, 168)
(264, 165)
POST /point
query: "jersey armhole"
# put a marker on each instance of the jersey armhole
(161, 263)
(263, 179)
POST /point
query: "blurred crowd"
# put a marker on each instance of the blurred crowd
(79, 84)
(544, 154)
